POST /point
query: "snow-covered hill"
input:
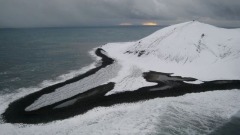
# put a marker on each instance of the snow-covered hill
(189, 42)
(190, 49)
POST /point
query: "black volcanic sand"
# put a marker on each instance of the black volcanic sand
(16, 113)
(167, 86)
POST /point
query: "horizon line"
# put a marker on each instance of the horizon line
(83, 26)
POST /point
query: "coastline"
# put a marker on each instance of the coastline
(135, 72)
(96, 97)
(16, 109)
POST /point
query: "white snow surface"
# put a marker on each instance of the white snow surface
(190, 49)
(198, 113)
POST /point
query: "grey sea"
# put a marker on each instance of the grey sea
(28, 57)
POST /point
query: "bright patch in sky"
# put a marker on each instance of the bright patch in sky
(149, 24)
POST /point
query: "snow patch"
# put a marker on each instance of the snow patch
(72, 89)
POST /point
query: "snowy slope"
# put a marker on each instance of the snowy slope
(190, 49)
(190, 42)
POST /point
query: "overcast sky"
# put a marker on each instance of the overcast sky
(56, 13)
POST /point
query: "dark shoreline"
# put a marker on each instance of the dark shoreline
(15, 113)
(95, 97)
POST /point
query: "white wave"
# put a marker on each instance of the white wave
(198, 113)
(3, 73)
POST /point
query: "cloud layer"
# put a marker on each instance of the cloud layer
(55, 13)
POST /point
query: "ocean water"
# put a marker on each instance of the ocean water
(28, 57)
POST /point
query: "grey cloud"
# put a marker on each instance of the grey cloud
(226, 9)
(47, 13)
